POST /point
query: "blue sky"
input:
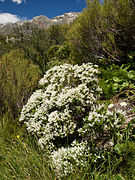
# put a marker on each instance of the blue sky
(14, 10)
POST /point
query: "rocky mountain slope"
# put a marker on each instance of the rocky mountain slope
(41, 22)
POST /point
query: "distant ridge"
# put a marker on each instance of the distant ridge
(41, 22)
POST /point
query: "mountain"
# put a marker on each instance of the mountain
(41, 22)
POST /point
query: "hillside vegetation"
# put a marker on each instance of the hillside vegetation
(67, 97)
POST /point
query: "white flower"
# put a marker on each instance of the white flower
(123, 104)
(111, 143)
(64, 104)
(110, 105)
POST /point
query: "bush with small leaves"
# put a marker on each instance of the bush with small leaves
(18, 79)
(64, 115)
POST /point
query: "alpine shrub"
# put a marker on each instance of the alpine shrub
(64, 115)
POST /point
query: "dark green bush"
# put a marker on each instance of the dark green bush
(104, 32)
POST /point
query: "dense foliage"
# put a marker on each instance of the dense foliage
(18, 78)
(37, 43)
(104, 32)
(117, 80)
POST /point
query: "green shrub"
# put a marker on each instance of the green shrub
(117, 80)
(58, 55)
(36, 42)
(5, 46)
(104, 32)
(18, 78)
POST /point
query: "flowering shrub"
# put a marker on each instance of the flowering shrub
(102, 124)
(65, 116)
(64, 159)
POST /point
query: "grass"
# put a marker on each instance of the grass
(22, 159)
(19, 161)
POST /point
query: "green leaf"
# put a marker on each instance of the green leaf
(119, 177)
(125, 84)
(116, 79)
(130, 56)
(131, 75)
(133, 86)
(126, 67)
(116, 86)
(119, 148)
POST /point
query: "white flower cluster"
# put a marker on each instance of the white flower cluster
(64, 159)
(101, 121)
(63, 110)
(64, 91)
